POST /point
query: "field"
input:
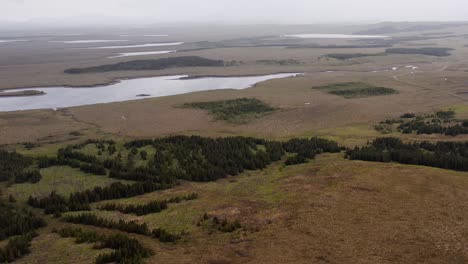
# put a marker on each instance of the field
(331, 209)
(373, 206)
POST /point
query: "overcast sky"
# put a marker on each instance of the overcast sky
(235, 11)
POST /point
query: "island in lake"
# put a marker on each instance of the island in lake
(21, 93)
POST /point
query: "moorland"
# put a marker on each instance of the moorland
(359, 159)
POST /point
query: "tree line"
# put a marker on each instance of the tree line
(79, 201)
(446, 155)
(176, 158)
(16, 248)
(191, 158)
(306, 149)
(147, 208)
(14, 168)
(222, 225)
(126, 249)
(19, 225)
(74, 159)
(200, 159)
(129, 227)
(441, 122)
(16, 221)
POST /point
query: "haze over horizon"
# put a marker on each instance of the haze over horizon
(115, 12)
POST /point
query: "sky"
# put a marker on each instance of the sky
(231, 11)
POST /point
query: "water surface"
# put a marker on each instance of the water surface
(140, 45)
(12, 40)
(87, 41)
(125, 90)
(145, 35)
(332, 36)
(131, 54)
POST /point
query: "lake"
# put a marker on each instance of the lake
(140, 45)
(86, 41)
(332, 36)
(12, 40)
(129, 89)
(141, 53)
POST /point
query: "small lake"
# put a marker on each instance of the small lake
(141, 53)
(12, 40)
(333, 36)
(158, 35)
(140, 45)
(126, 90)
(85, 41)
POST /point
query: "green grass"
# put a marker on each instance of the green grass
(64, 180)
(356, 90)
(234, 111)
(50, 248)
(263, 188)
(91, 149)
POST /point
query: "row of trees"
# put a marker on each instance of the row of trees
(129, 227)
(148, 208)
(422, 127)
(16, 248)
(18, 224)
(14, 167)
(74, 159)
(192, 158)
(447, 155)
(197, 159)
(442, 122)
(306, 149)
(222, 225)
(100, 143)
(15, 221)
(79, 201)
(140, 209)
(178, 157)
(33, 176)
(126, 249)
(93, 168)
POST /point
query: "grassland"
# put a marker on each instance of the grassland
(65, 251)
(61, 179)
(369, 202)
(356, 90)
(234, 111)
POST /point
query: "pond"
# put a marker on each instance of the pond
(140, 45)
(141, 53)
(333, 36)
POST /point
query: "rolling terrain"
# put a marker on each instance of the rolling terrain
(276, 173)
